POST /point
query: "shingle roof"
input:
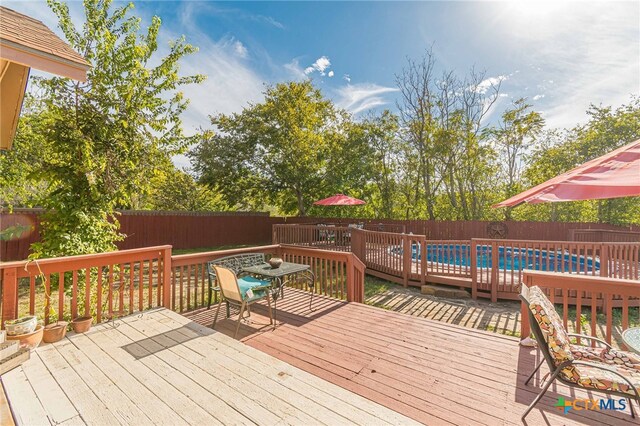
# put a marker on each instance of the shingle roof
(33, 34)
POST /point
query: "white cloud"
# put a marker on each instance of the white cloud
(347, 78)
(484, 86)
(295, 70)
(230, 85)
(320, 65)
(240, 49)
(330, 73)
(356, 98)
(538, 97)
(584, 53)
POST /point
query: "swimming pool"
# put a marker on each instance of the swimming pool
(510, 258)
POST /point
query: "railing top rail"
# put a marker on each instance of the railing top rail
(492, 240)
(310, 226)
(330, 253)
(116, 254)
(613, 231)
(190, 258)
(394, 234)
(589, 283)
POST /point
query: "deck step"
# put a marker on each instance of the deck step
(14, 360)
(442, 291)
(8, 348)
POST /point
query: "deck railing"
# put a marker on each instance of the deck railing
(101, 285)
(334, 238)
(604, 235)
(109, 285)
(585, 293)
(488, 267)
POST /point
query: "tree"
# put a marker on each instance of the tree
(560, 151)
(417, 115)
(287, 151)
(18, 166)
(442, 118)
(382, 134)
(518, 131)
(174, 189)
(105, 135)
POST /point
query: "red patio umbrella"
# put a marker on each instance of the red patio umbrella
(614, 175)
(339, 200)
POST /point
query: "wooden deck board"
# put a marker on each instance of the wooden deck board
(161, 368)
(433, 372)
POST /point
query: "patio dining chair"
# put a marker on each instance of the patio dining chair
(602, 369)
(241, 292)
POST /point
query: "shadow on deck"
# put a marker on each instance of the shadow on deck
(433, 372)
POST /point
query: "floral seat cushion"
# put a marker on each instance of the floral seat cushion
(597, 378)
(551, 325)
(605, 355)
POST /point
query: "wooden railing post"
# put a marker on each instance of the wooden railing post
(274, 234)
(407, 259)
(473, 246)
(495, 271)
(166, 277)
(604, 260)
(9, 294)
(355, 279)
(422, 252)
(351, 296)
(525, 328)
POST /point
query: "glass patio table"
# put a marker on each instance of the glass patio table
(631, 338)
(282, 275)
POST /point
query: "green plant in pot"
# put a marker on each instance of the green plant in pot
(55, 331)
(26, 330)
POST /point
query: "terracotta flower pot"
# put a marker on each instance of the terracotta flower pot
(55, 332)
(275, 262)
(81, 324)
(29, 340)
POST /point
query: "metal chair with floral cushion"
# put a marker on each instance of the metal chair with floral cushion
(241, 292)
(603, 369)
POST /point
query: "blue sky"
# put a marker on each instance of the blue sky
(561, 55)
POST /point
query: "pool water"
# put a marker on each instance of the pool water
(513, 259)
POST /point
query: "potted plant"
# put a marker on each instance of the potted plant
(55, 332)
(81, 324)
(26, 330)
(24, 325)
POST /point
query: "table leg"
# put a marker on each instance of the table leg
(274, 294)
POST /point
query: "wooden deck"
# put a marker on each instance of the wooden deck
(161, 368)
(432, 372)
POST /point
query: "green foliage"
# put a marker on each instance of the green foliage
(104, 137)
(174, 189)
(287, 151)
(18, 166)
(560, 151)
(518, 131)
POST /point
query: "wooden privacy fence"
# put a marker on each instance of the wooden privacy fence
(187, 230)
(109, 285)
(585, 292)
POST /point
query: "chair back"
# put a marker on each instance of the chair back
(228, 283)
(547, 326)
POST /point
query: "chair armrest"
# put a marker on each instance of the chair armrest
(608, 369)
(584, 336)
